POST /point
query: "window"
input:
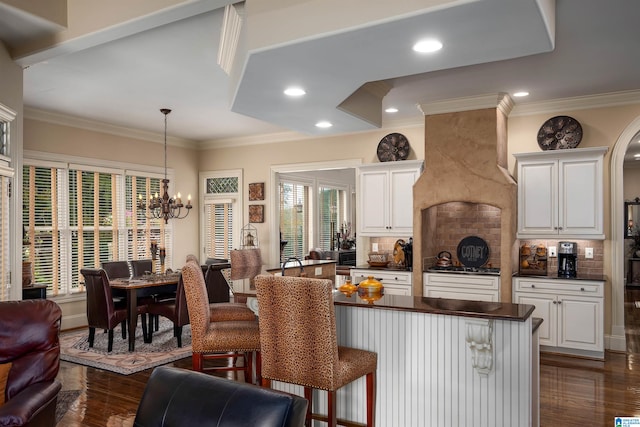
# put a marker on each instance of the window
(295, 227)
(78, 216)
(221, 222)
(333, 213)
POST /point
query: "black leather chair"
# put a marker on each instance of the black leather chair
(174, 309)
(178, 397)
(141, 266)
(116, 269)
(101, 310)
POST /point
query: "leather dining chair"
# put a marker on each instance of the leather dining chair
(141, 266)
(173, 309)
(116, 269)
(229, 339)
(298, 341)
(101, 310)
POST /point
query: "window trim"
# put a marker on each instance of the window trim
(205, 198)
(273, 206)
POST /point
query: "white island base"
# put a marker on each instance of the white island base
(435, 369)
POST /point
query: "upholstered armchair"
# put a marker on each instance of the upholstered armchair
(30, 358)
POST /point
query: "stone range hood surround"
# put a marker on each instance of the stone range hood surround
(466, 161)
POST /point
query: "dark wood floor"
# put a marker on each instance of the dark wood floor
(573, 392)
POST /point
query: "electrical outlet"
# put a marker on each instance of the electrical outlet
(553, 252)
(374, 247)
(318, 271)
(588, 253)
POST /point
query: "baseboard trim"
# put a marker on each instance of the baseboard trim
(615, 343)
(74, 321)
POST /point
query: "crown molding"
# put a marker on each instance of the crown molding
(614, 99)
(96, 126)
(501, 101)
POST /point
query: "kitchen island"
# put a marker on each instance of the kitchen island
(441, 362)
(314, 268)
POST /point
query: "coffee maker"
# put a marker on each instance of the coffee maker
(567, 259)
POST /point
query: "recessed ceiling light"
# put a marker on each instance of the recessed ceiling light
(391, 110)
(427, 46)
(324, 124)
(294, 91)
(521, 94)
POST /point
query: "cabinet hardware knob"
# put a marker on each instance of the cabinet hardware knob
(582, 289)
(559, 228)
(533, 286)
(559, 302)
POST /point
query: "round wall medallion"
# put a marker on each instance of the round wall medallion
(392, 147)
(559, 133)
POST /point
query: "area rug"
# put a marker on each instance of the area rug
(74, 347)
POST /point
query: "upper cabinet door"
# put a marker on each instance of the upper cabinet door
(385, 204)
(373, 210)
(401, 200)
(581, 196)
(560, 194)
(538, 198)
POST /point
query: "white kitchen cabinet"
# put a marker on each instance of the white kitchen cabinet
(461, 286)
(572, 313)
(385, 206)
(395, 282)
(560, 193)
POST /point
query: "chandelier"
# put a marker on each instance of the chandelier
(165, 207)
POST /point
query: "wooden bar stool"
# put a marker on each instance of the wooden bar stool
(298, 342)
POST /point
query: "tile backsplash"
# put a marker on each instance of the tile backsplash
(586, 266)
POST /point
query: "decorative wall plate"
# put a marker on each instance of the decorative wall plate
(560, 132)
(473, 251)
(392, 147)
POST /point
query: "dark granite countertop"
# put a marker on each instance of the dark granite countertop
(451, 307)
(388, 268)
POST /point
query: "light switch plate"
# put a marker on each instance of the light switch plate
(588, 253)
(374, 247)
(318, 271)
(553, 252)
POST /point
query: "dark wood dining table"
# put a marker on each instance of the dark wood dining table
(141, 287)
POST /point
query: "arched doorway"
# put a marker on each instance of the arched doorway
(617, 337)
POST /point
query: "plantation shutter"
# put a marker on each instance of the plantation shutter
(219, 217)
(139, 228)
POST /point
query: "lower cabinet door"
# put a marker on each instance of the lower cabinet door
(580, 323)
(546, 309)
(460, 293)
(397, 290)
